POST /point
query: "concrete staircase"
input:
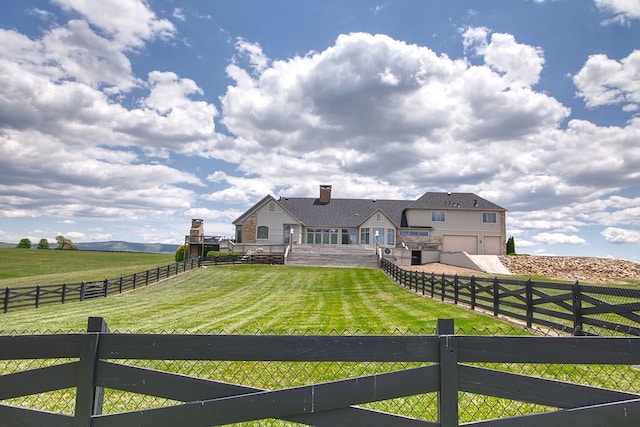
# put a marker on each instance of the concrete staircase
(333, 256)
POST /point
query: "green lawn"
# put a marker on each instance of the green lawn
(25, 267)
(252, 298)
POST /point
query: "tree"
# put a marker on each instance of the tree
(64, 243)
(511, 246)
(43, 244)
(24, 244)
(181, 252)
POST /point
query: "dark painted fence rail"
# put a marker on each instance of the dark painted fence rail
(39, 295)
(101, 366)
(575, 308)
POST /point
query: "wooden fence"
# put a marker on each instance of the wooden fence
(100, 362)
(39, 295)
(576, 308)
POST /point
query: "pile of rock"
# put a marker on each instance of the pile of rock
(583, 269)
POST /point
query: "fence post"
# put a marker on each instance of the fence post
(424, 281)
(456, 289)
(64, 292)
(496, 297)
(82, 288)
(473, 292)
(448, 394)
(89, 398)
(37, 296)
(106, 287)
(576, 292)
(442, 283)
(120, 285)
(158, 274)
(146, 278)
(529, 293)
(135, 276)
(432, 279)
(5, 307)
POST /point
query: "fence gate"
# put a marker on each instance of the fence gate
(443, 365)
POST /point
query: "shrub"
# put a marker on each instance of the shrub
(180, 253)
(221, 254)
(24, 244)
(511, 246)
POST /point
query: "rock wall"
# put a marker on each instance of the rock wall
(583, 269)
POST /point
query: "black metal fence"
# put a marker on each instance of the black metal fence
(103, 379)
(575, 308)
(36, 296)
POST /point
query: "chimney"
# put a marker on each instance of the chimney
(325, 194)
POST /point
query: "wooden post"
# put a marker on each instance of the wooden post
(82, 288)
(448, 394)
(433, 284)
(37, 296)
(89, 398)
(120, 284)
(442, 284)
(135, 275)
(456, 289)
(473, 292)
(106, 288)
(5, 307)
(576, 292)
(496, 297)
(146, 278)
(64, 292)
(424, 281)
(529, 293)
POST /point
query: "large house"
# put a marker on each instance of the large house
(435, 222)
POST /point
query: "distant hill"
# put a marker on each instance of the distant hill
(116, 246)
(119, 246)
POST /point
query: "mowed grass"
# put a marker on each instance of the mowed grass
(26, 267)
(259, 298)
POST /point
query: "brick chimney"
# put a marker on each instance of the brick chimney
(325, 194)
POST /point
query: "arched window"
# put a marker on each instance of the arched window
(263, 232)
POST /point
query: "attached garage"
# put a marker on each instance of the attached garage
(492, 245)
(453, 243)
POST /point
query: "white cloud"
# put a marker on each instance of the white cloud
(623, 10)
(559, 239)
(130, 22)
(621, 235)
(178, 13)
(605, 81)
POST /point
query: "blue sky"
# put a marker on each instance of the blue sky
(124, 119)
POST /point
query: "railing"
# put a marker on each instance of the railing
(111, 378)
(39, 295)
(575, 308)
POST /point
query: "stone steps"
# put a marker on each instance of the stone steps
(333, 256)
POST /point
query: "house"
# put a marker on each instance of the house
(435, 222)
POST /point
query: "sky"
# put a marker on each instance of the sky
(125, 119)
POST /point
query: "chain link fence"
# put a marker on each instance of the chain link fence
(278, 375)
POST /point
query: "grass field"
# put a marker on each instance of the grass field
(25, 267)
(252, 298)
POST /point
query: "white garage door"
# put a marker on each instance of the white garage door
(492, 245)
(452, 243)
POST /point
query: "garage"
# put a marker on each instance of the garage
(453, 243)
(492, 245)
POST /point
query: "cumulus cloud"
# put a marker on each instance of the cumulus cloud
(559, 239)
(606, 81)
(621, 236)
(624, 11)
(129, 22)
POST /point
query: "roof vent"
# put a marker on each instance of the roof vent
(448, 193)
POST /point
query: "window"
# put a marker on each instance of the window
(364, 236)
(263, 232)
(391, 236)
(489, 217)
(239, 233)
(437, 216)
(414, 233)
(271, 207)
(378, 217)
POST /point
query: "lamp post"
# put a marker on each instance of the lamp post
(291, 239)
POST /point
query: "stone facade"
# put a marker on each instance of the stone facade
(250, 228)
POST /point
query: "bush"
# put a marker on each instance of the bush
(511, 246)
(24, 244)
(180, 252)
(221, 254)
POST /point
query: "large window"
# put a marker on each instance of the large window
(364, 236)
(391, 236)
(263, 232)
(324, 236)
(489, 217)
(437, 216)
(239, 233)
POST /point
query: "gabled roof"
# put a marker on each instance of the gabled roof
(434, 200)
(350, 213)
(342, 212)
